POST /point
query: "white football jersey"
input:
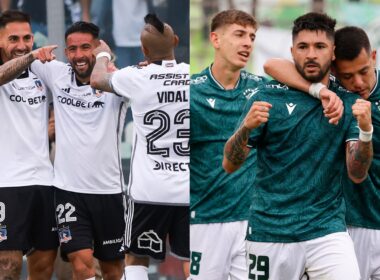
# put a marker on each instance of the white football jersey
(24, 144)
(88, 127)
(159, 98)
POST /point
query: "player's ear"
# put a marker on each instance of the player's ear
(175, 41)
(214, 39)
(373, 55)
(333, 55)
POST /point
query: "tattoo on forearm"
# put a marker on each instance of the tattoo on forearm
(238, 150)
(13, 68)
(102, 77)
(360, 158)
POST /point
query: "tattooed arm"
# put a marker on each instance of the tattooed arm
(359, 154)
(359, 157)
(14, 67)
(100, 76)
(236, 150)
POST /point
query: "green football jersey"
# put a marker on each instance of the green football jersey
(363, 199)
(300, 165)
(216, 196)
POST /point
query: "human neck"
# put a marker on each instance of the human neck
(226, 76)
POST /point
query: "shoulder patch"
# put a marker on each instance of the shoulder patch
(198, 80)
(277, 86)
(250, 76)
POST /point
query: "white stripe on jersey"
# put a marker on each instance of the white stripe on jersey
(159, 96)
(24, 144)
(88, 128)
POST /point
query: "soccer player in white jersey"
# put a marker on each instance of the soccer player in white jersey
(88, 174)
(27, 220)
(159, 181)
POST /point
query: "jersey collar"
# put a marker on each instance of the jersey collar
(166, 63)
(219, 84)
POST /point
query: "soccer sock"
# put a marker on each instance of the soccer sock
(136, 272)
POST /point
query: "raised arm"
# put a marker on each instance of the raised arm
(284, 71)
(236, 150)
(85, 7)
(100, 76)
(14, 67)
(359, 154)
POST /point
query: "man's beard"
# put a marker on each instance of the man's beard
(314, 78)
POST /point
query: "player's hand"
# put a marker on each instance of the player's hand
(362, 112)
(111, 67)
(332, 105)
(45, 54)
(102, 47)
(258, 114)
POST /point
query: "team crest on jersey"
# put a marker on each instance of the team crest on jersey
(39, 85)
(64, 234)
(248, 93)
(150, 240)
(3, 233)
(198, 80)
(98, 93)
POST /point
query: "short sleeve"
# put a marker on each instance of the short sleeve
(122, 81)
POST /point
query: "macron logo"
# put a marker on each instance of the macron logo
(211, 101)
(290, 107)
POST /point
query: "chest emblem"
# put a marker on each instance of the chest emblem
(290, 107)
(211, 101)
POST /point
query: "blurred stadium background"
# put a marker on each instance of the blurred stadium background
(275, 17)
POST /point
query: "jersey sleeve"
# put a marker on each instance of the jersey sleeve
(353, 130)
(48, 71)
(122, 82)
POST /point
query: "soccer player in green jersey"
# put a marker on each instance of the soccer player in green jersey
(219, 202)
(354, 67)
(297, 226)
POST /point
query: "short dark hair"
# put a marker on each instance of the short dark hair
(349, 42)
(83, 27)
(232, 16)
(13, 16)
(314, 22)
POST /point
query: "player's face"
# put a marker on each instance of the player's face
(16, 40)
(79, 47)
(358, 75)
(313, 52)
(234, 44)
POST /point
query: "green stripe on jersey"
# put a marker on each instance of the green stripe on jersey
(216, 196)
(300, 164)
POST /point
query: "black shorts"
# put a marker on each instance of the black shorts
(152, 225)
(91, 221)
(27, 218)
